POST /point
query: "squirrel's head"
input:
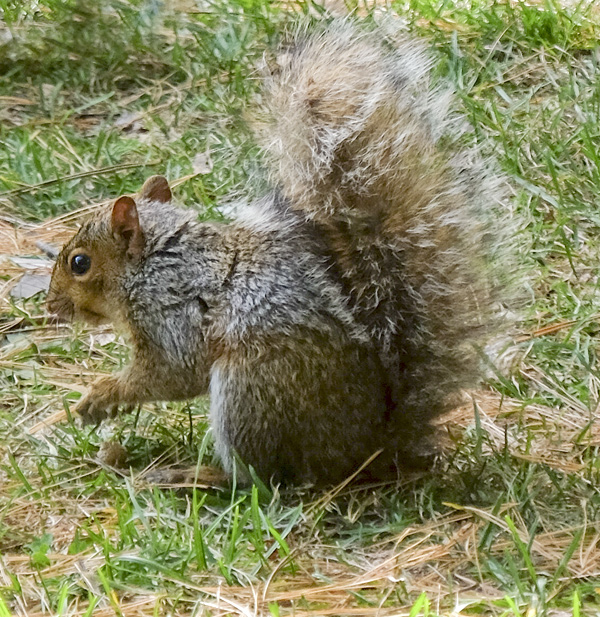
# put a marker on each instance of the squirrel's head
(87, 276)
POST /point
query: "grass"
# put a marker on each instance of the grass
(94, 97)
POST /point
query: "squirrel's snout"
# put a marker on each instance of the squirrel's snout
(59, 305)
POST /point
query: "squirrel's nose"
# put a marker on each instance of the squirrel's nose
(51, 301)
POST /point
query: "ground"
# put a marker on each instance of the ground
(97, 96)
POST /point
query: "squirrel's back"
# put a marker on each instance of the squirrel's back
(357, 140)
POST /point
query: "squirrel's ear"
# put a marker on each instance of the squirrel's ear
(125, 224)
(156, 188)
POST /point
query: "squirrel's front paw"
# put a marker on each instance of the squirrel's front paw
(102, 401)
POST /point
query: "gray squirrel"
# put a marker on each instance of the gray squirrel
(338, 315)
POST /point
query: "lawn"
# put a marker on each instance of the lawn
(97, 96)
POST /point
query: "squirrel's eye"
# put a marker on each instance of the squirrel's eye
(80, 264)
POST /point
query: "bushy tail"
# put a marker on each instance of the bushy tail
(358, 141)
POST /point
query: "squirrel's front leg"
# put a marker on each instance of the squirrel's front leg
(147, 378)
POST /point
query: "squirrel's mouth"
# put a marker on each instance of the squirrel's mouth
(90, 317)
(63, 309)
(66, 311)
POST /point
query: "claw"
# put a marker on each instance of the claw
(91, 412)
(93, 409)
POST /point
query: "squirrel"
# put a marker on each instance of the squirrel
(339, 314)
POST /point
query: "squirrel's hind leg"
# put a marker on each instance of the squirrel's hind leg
(198, 477)
(307, 408)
